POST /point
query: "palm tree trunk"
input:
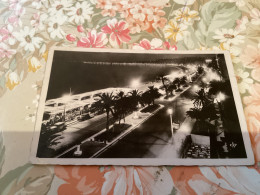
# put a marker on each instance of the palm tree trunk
(107, 124)
(119, 121)
(165, 88)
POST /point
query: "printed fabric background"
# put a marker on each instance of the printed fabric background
(28, 28)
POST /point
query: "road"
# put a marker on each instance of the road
(151, 138)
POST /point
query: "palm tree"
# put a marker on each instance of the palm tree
(176, 82)
(135, 98)
(106, 102)
(120, 95)
(154, 93)
(171, 88)
(162, 78)
(203, 117)
(201, 100)
(220, 86)
(145, 99)
(194, 113)
(200, 70)
(183, 81)
(121, 106)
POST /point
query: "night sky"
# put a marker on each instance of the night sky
(75, 70)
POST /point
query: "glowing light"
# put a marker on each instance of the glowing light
(135, 83)
(170, 111)
(212, 75)
(196, 87)
(66, 97)
(204, 79)
(208, 60)
(220, 97)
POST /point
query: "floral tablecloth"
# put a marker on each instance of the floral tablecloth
(28, 28)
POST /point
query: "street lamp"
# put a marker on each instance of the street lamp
(170, 111)
(220, 97)
(78, 151)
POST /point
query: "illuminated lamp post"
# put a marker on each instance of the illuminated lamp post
(220, 97)
(170, 111)
(78, 151)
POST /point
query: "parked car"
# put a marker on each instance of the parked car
(83, 117)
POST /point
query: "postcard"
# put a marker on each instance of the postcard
(128, 107)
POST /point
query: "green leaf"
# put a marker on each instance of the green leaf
(174, 191)
(181, 45)
(12, 65)
(100, 21)
(2, 151)
(2, 81)
(136, 38)
(215, 15)
(190, 40)
(28, 179)
(169, 167)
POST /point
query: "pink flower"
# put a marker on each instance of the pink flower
(118, 32)
(159, 23)
(80, 180)
(128, 180)
(167, 45)
(109, 7)
(135, 26)
(216, 180)
(255, 14)
(16, 18)
(114, 5)
(128, 4)
(80, 28)
(15, 4)
(6, 33)
(155, 44)
(71, 37)
(251, 59)
(138, 12)
(5, 51)
(101, 4)
(241, 24)
(38, 20)
(109, 12)
(93, 39)
(154, 13)
(252, 114)
(137, 180)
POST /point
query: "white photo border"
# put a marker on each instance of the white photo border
(249, 160)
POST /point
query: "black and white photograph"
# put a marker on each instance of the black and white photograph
(127, 107)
